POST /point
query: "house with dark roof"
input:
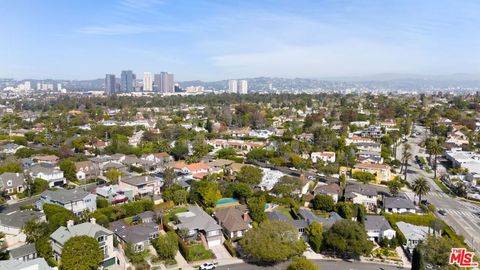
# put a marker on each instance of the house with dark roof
(309, 217)
(104, 237)
(142, 230)
(76, 200)
(198, 223)
(86, 170)
(333, 190)
(141, 185)
(12, 182)
(398, 205)
(377, 228)
(367, 195)
(24, 253)
(235, 221)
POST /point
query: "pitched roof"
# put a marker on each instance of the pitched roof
(232, 219)
(373, 222)
(371, 166)
(333, 188)
(363, 189)
(398, 202)
(37, 264)
(22, 251)
(62, 234)
(134, 233)
(17, 179)
(66, 195)
(18, 218)
(139, 180)
(197, 219)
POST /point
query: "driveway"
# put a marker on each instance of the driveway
(221, 252)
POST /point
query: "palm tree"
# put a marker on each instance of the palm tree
(406, 155)
(420, 187)
(436, 150)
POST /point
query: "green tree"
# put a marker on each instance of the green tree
(35, 230)
(302, 263)
(314, 232)
(256, 208)
(113, 175)
(323, 202)
(347, 236)
(180, 150)
(420, 187)
(69, 169)
(417, 260)
(206, 192)
(364, 177)
(406, 156)
(39, 185)
(102, 202)
(180, 196)
(436, 250)
(395, 186)
(57, 216)
(241, 191)
(169, 177)
(287, 186)
(272, 241)
(81, 253)
(166, 245)
(344, 209)
(250, 175)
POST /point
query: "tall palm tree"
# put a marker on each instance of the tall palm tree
(420, 187)
(436, 150)
(406, 155)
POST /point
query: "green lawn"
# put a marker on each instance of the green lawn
(442, 186)
(197, 252)
(321, 213)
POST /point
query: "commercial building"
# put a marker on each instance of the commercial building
(110, 83)
(127, 81)
(147, 82)
(243, 87)
(232, 86)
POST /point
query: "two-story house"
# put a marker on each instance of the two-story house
(377, 228)
(76, 200)
(115, 194)
(363, 194)
(12, 182)
(327, 157)
(141, 185)
(52, 174)
(139, 234)
(382, 172)
(86, 170)
(11, 224)
(102, 235)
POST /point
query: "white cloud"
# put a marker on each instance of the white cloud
(126, 29)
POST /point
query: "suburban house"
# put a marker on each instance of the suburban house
(52, 174)
(377, 228)
(197, 170)
(219, 165)
(159, 159)
(309, 217)
(327, 157)
(333, 190)
(243, 146)
(369, 157)
(141, 185)
(12, 182)
(414, 235)
(10, 148)
(86, 170)
(11, 224)
(369, 146)
(139, 234)
(235, 221)
(49, 159)
(76, 200)
(382, 172)
(362, 194)
(299, 224)
(102, 235)
(199, 223)
(375, 132)
(114, 194)
(24, 253)
(398, 205)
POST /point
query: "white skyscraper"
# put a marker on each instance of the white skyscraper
(28, 85)
(232, 86)
(243, 87)
(147, 81)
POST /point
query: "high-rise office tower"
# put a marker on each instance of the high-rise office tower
(157, 82)
(28, 85)
(232, 86)
(167, 84)
(243, 87)
(147, 81)
(110, 83)
(127, 81)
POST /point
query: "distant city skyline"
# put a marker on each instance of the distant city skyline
(221, 40)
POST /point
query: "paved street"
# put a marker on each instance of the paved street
(460, 214)
(324, 265)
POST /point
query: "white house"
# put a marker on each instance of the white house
(328, 157)
(53, 175)
(362, 194)
(398, 205)
(377, 228)
(76, 200)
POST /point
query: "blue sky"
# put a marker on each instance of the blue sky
(221, 39)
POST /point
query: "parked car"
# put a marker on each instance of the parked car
(207, 266)
(442, 212)
(425, 202)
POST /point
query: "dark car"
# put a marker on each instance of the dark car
(442, 212)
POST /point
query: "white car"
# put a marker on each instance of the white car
(207, 266)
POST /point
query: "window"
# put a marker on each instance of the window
(101, 238)
(104, 250)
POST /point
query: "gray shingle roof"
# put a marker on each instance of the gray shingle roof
(139, 180)
(376, 223)
(398, 202)
(66, 195)
(37, 264)
(17, 179)
(22, 251)
(62, 234)
(363, 189)
(18, 218)
(134, 233)
(197, 219)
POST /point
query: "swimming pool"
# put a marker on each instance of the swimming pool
(227, 200)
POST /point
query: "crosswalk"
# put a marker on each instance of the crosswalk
(462, 213)
(436, 194)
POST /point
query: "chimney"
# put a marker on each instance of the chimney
(70, 223)
(93, 220)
